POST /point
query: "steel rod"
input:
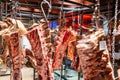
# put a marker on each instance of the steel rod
(60, 75)
(77, 3)
(78, 9)
(78, 75)
(54, 7)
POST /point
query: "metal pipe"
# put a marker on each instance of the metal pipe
(24, 15)
(77, 3)
(60, 75)
(54, 7)
(30, 15)
(78, 9)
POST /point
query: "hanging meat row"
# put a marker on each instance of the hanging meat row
(84, 52)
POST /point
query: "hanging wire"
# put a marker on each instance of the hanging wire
(62, 23)
(108, 10)
(73, 18)
(20, 14)
(78, 17)
(114, 32)
(14, 9)
(112, 18)
(64, 19)
(116, 10)
(14, 12)
(6, 9)
(61, 15)
(1, 10)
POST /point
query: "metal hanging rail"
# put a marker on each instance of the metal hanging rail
(72, 2)
(67, 10)
(29, 15)
(77, 9)
(54, 7)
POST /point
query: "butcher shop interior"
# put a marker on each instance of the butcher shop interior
(59, 39)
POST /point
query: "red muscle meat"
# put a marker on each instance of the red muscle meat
(95, 63)
(13, 42)
(43, 67)
(60, 49)
(66, 39)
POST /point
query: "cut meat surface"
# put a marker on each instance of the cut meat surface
(60, 49)
(63, 41)
(95, 63)
(43, 66)
(14, 50)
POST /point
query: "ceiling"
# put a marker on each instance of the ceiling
(66, 6)
(32, 8)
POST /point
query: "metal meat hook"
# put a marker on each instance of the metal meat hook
(49, 9)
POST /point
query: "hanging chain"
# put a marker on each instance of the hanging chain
(116, 10)
(73, 18)
(14, 9)
(114, 32)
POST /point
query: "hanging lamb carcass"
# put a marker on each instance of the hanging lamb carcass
(94, 60)
(66, 37)
(11, 31)
(40, 40)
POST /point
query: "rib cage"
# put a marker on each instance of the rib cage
(14, 50)
(40, 43)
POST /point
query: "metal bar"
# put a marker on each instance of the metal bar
(6, 8)
(54, 7)
(78, 9)
(81, 19)
(77, 3)
(78, 75)
(4, 74)
(30, 15)
(1, 10)
(64, 8)
(60, 75)
(33, 73)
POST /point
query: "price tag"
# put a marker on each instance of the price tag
(102, 45)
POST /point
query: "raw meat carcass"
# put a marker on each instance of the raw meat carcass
(13, 42)
(28, 58)
(60, 49)
(11, 31)
(76, 62)
(10, 25)
(95, 63)
(39, 38)
(62, 40)
(72, 45)
(45, 38)
(31, 61)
